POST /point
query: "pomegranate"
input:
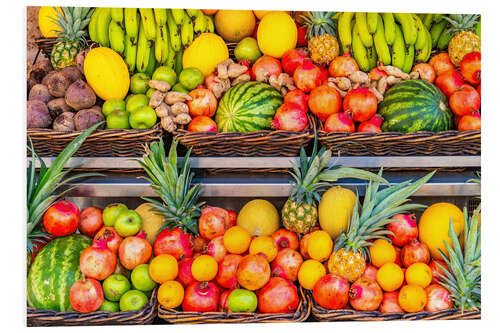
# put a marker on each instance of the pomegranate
(324, 101)
(226, 275)
(185, 277)
(304, 243)
(292, 59)
(265, 67)
(465, 100)
(372, 125)
(216, 249)
(232, 218)
(470, 122)
(425, 71)
(362, 103)
(223, 307)
(61, 219)
(438, 298)
(220, 212)
(113, 240)
(342, 66)
(97, 261)
(246, 63)
(414, 252)
(211, 82)
(470, 66)
(90, 221)
(398, 256)
(199, 244)
(287, 264)
(370, 272)
(86, 295)
(308, 76)
(390, 303)
(203, 103)
(365, 295)
(212, 224)
(253, 272)
(478, 88)
(404, 229)
(441, 63)
(290, 117)
(298, 97)
(134, 251)
(201, 297)
(376, 74)
(278, 296)
(340, 122)
(331, 292)
(202, 124)
(301, 35)
(437, 272)
(449, 81)
(285, 239)
(175, 242)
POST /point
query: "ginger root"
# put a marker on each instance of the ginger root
(342, 83)
(223, 69)
(156, 99)
(163, 110)
(167, 123)
(282, 82)
(240, 79)
(182, 119)
(391, 80)
(393, 71)
(382, 85)
(159, 85)
(235, 70)
(173, 97)
(359, 77)
(378, 95)
(333, 85)
(179, 108)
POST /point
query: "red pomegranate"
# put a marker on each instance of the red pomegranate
(376, 74)
(342, 66)
(220, 212)
(232, 218)
(365, 295)
(61, 219)
(265, 67)
(331, 292)
(226, 275)
(134, 251)
(290, 117)
(223, 306)
(465, 100)
(370, 272)
(285, 239)
(362, 103)
(398, 256)
(340, 122)
(390, 303)
(202, 124)
(175, 242)
(470, 122)
(324, 101)
(185, 277)
(470, 66)
(449, 81)
(246, 63)
(212, 224)
(216, 249)
(437, 272)
(304, 243)
(372, 125)
(90, 221)
(425, 71)
(113, 240)
(414, 252)
(199, 244)
(201, 297)
(97, 261)
(253, 272)
(478, 88)
(278, 296)
(301, 35)
(298, 97)
(308, 76)
(86, 295)
(441, 63)
(203, 103)
(404, 229)
(438, 298)
(292, 59)
(287, 264)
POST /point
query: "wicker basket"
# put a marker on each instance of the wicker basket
(72, 318)
(46, 44)
(179, 317)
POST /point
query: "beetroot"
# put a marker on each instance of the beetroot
(37, 115)
(80, 96)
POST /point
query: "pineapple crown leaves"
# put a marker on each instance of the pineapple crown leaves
(72, 22)
(461, 22)
(319, 23)
(173, 185)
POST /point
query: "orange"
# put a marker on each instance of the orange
(209, 11)
(310, 272)
(419, 274)
(390, 276)
(234, 25)
(204, 268)
(276, 34)
(236, 240)
(171, 294)
(265, 245)
(163, 268)
(381, 252)
(412, 298)
(320, 245)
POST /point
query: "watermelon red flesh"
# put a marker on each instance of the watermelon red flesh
(53, 272)
(415, 105)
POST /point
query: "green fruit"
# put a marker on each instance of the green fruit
(242, 300)
(247, 49)
(191, 78)
(164, 73)
(150, 92)
(55, 269)
(133, 300)
(129, 96)
(415, 105)
(109, 306)
(141, 279)
(136, 102)
(111, 105)
(128, 223)
(111, 213)
(247, 107)
(117, 119)
(115, 286)
(139, 83)
(142, 118)
(180, 88)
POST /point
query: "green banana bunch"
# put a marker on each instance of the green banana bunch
(194, 12)
(148, 22)
(398, 49)
(116, 36)
(210, 24)
(178, 62)
(160, 16)
(151, 61)
(161, 43)
(117, 15)
(381, 46)
(390, 27)
(102, 26)
(174, 31)
(130, 53)
(179, 15)
(372, 22)
(187, 32)
(363, 31)
(408, 27)
(200, 24)
(359, 51)
(132, 20)
(436, 31)
(143, 50)
(345, 30)
(93, 24)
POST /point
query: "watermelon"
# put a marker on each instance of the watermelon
(247, 107)
(415, 105)
(55, 269)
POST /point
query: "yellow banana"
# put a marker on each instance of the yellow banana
(381, 46)
(187, 33)
(408, 27)
(371, 20)
(210, 24)
(179, 15)
(366, 38)
(148, 22)
(436, 31)
(143, 50)
(159, 44)
(345, 30)
(409, 56)
(132, 20)
(160, 16)
(117, 14)
(174, 32)
(359, 51)
(427, 21)
(389, 28)
(426, 51)
(93, 24)
(398, 49)
(200, 24)
(421, 34)
(130, 52)
(116, 37)
(194, 12)
(103, 26)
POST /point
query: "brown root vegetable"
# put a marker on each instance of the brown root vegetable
(182, 119)
(80, 96)
(86, 118)
(30, 83)
(72, 72)
(47, 77)
(162, 86)
(80, 59)
(167, 123)
(37, 114)
(64, 122)
(40, 70)
(40, 92)
(179, 108)
(235, 70)
(58, 84)
(239, 79)
(156, 99)
(173, 97)
(58, 106)
(163, 110)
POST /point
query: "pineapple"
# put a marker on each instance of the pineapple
(71, 25)
(464, 40)
(300, 213)
(462, 278)
(351, 247)
(322, 34)
(179, 207)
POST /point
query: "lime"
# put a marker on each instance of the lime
(150, 92)
(180, 88)
(115, 286)
(247, 48)
(141, 279)
(109, 306)
(191, 77)
(111, 105)
(164, 73)
(133, 300)
(242, 300)
(137, 101)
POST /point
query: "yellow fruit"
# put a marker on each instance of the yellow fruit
(259, 217)
(204, 268)
(390, 276)
(261, 13)
(151, 222)
(310, 272)
(434, 226)
(236, 240)
(45, 23)
(106, 73)
(320, 245)
(171, 294)
(234, 25)
(163, 268)
(265, 245)
(419, 274)
(276, 34)
(412, 298)
(335, 209)
(381, 252)
(206, 51)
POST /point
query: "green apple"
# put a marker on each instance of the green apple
(247, 48)
(109, 306)
(167, 74)
(111, 105)
(144, 117)
(133, 300)
(150, 92)
(114, 286)
(128, 97)
(139, 83)
(117, 119)
(141, 280)
(135, 102)
(128, 223)
(180, 88)
(111, 213)
(191, 77)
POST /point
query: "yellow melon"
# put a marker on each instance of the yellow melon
(261, 13)
(276, 34)
(45, 16)
(151, 222)
(259, 217)
(206, 51)
(234, 25)
(334, 210)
